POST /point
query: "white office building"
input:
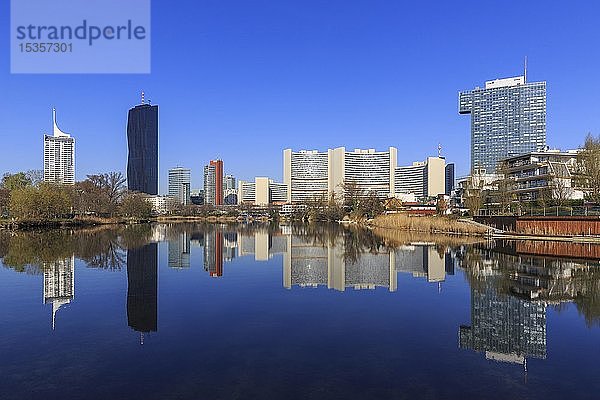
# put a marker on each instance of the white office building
(306, 174)
(423, 179)
(59, 156)
(263, 191)
(179, 185)
(311, 174)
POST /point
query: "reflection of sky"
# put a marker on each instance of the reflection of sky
(245, 333)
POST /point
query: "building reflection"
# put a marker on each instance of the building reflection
(142, 280)
(503, 327)
(511, 291)
(59, 284)
(307, 264)
(179, 251)
(213, 253)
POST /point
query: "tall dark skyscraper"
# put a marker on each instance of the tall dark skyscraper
(142, 142)
(449, 178)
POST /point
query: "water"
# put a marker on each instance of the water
(194, 312)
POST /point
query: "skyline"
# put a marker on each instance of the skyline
(343, 76)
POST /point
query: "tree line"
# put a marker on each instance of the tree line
(25, 196)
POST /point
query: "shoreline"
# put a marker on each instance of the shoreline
(480, 233)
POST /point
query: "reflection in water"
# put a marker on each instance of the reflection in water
(505, 328)
(512, 284)
(179, 251)
(59, 284)
(510, 294)
(142, 288)
(213, 253)
(307, 264)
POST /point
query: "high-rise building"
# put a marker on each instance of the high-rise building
(371, 171)
(508, 118)
(229, 182)
(142, 142)
(423, 179)
(449, 179)
(230, 190)
(179, 184)
(306, 174)
(213, 183)
(311, 174)
(59, 156)
(263, 191)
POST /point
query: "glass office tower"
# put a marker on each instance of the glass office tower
(142, 141)
(508, 118)
(179, 185)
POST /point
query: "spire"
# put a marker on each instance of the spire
(56, 130)
(525, 71)
(439, 150)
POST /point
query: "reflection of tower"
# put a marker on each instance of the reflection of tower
(506, 328)
(229, 245)
(179, 251)
(423, 260)
(142, 280)
(59, 284)
(213, 253)
(308, 265)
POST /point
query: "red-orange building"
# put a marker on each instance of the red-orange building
(218, 164)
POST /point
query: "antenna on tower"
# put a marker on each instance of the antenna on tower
(439, 150)
(525, 72)
(142, 97)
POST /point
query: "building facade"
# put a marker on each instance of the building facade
(213, 183)
(179, 185)
(230, 190)
(59, 156)
(545, 175)
(310, 174)
(508, 118)
(450, 179)
(423, 179)
(306, 174)
(142, 143)
(263, 191)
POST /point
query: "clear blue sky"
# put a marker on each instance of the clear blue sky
(242, 80)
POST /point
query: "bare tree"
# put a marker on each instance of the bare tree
(588, 168)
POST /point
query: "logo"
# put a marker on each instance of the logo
(80, 36)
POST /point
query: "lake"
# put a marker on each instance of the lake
(186, 311)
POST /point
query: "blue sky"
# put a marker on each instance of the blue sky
(242, 80)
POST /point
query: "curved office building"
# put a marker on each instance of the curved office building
(306, 174)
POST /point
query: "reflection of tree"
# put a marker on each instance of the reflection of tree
(588, 299)
(103, 247)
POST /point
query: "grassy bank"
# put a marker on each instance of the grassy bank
(66, 223)
(435, 225)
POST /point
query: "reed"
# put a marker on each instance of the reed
(427, 224)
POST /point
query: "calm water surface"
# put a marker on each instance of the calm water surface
(228, 312)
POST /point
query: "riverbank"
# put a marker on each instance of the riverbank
(77, 222)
